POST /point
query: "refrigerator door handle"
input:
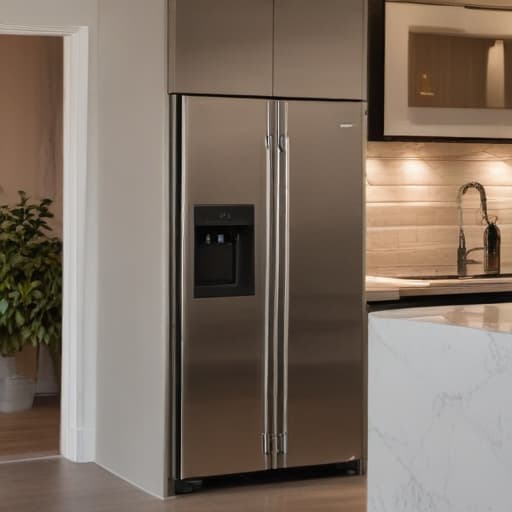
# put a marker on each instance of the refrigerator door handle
(283, 244)
(286, 291)
(276, 300)
(283, 443)
(267, 444)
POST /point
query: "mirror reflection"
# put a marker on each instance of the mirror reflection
(459, 71)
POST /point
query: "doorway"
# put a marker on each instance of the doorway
(31, 193)
(77, 376)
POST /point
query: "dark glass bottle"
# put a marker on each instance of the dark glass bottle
(492, 247)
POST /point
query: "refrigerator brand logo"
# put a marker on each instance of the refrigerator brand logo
(346, 125)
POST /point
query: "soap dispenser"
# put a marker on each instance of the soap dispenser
(492, 247)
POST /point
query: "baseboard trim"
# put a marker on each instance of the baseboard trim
(21, 460)
(86, 444)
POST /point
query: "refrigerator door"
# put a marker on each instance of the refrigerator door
(321, 275)
(226, 160)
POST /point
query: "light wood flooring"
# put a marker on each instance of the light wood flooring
(30, 434)
(59, 486)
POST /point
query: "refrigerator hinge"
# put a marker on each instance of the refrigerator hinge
(282, 443)
(281, 144)
(267, 443)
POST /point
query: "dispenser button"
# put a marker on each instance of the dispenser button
(220, 239)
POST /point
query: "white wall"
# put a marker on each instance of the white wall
(133, 310)
(126, 314)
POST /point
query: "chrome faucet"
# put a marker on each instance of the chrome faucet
(492, 237)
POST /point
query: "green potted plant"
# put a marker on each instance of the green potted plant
(30, 293)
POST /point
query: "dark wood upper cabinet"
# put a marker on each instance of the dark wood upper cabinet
(285, 48)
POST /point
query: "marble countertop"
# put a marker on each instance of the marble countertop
(488, 317)
(390, 288)
(439, 409)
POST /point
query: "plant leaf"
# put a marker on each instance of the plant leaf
(20, 319)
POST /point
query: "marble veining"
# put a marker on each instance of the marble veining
(440, 410)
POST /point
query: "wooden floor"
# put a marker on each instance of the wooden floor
(59, 486)
(33, 433)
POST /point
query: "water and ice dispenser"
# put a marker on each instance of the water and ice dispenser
(224, 251)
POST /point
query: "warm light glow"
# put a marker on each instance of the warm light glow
(416, 166)
(498, 170)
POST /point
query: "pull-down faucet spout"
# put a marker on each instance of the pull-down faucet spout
(483, 200)
(492, 235)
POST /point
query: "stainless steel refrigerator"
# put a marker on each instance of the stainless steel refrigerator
(269, 273)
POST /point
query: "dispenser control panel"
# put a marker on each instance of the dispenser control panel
(224, 250)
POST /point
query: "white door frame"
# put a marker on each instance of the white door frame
(75, 445)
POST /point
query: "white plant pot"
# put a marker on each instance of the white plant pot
(16, 392)
(7, 367)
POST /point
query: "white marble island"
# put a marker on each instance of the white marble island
(440, 409)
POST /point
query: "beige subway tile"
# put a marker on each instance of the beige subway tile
(503, 151)
(405, 271)
(427, 258)
(422, 237)
(382, 239)
(428, 214)
(410, 257)
(407, 237)
(433, 193)
(422, 173)
(488, 173)
(437, 151)
(394, 149)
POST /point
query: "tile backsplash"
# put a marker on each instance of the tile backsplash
(412, 210)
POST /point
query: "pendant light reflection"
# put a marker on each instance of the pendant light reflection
(426, 86)
(496, 75)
